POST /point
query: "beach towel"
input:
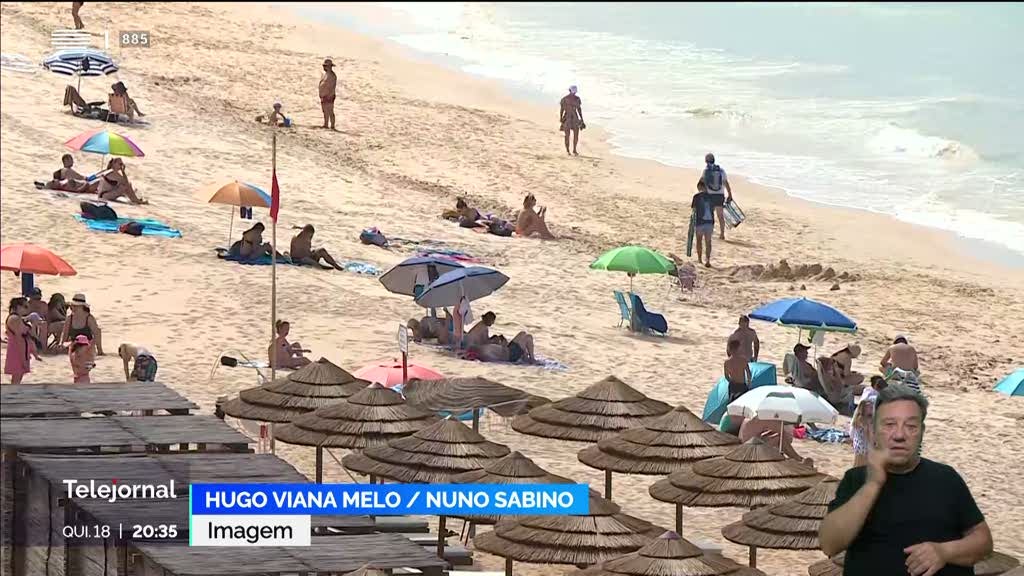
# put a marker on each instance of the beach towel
(150, 227)
(542, 362)
(361, 268)
(829, 435)
(261, 261)
(447, 254)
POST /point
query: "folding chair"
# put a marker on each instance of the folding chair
(624, 313)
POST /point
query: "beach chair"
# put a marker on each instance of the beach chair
(645, 320)
(118, 108)
(790, 369)
(624, 313)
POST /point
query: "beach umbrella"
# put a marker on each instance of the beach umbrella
(106, 143)
(789, 525)
(663, 445)
(805, 314)
(512, 469)
(470, 396)
(995, 564)
(751, 475)
(370, 417)
(669, 554)
(634, 260)
(390, 374)
(471, 283)
(604, 533)
(1012, 384)
(599, 411)
(410, 273)
(433, 455)
(785, 403)
(234, 193)
(80, 62)
(28, 258)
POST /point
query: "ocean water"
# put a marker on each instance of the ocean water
(913, 110)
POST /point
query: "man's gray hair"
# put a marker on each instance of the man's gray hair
(895, 392)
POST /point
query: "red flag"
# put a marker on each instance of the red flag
(275, 198)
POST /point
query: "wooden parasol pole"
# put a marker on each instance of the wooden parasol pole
(273, 285)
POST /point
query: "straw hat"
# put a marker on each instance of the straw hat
(78, 300)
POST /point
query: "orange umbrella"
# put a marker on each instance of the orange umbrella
(29, 258)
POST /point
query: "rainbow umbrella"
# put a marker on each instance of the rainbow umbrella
(105, 142)
(234, 193)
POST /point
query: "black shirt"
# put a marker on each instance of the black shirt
(703, 209)
(930, 504)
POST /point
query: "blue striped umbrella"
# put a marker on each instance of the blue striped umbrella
(472, 283)
(80, 62)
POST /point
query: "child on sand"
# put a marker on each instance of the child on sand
(82, 360)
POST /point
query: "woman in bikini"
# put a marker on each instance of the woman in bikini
(284, 354)
(252, 246)
(115, 184)
(19, 340)
(81, 322)
(532, 223)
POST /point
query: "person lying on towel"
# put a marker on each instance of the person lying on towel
(497, 349)
(67, 179)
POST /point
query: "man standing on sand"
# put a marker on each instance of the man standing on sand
(703, 222)
(717, 183)
(571, 119)
(328, 92)
(900, 355)
(903, 514)
(737, 371)
(750, 346)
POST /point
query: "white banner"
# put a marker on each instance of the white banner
(250, 530)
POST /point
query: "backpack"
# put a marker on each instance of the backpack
(713, 177)
(373, 236)
(93, 211)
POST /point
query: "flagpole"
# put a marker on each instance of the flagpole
(273, 284)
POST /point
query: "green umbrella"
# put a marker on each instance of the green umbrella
(634, 260)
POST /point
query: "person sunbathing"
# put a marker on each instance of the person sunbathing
(844, 366)
(497, 349)
(132, 109)
(533, 223)
(284, 354)
(480, 333)
(79, 107)
(252, 246)
(302, 251)
(115, 184)
(68, 180)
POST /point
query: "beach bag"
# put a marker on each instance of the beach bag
(132, 228)
(713, 177)
(373, 237)
(500, 227)
(93, 211)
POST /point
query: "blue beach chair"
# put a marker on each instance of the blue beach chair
(647, 320)
(625, 314)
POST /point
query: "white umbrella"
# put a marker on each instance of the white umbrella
(786, 403)
(470, 283)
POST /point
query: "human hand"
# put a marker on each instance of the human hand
(924, 559)
(877, 459)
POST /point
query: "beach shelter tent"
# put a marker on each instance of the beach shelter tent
(662, 446)
(671, 555)
(602, 534)
(1012, 384)
(762, 374)
(751, 475)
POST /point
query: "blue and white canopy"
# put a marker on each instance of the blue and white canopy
(806, 314)
(472, 283)
(80, 62)
(413, 272)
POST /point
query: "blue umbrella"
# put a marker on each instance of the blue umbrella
(80, 62)
(1012, 384)
(472, 283)
(405, 277)
(806, 314)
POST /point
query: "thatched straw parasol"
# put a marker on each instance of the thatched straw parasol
(751, 475)
(369, 417)
(600, 411)
(661, 446)
(995, 565)
(579, 540)
(308, 388)
(434, 455)
(669, 555)
(512, 469)
(458, 395)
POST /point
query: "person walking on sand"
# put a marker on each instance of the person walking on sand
(901, 513)
(703, 222)
(750, 345)
(75, 7)
(328, 92)
(571, 119)
(717, 183)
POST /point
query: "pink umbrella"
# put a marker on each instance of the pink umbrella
(390, 374)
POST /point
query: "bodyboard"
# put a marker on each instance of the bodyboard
(689, 235)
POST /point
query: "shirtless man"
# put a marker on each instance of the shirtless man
(532, 223)
(480, 334)
(900, 355)
(750, 346)
(570, 119)
(302, 251)
(844, 366)
(806, 375)
(768, 430)
(143, 363)
(737, 371)
(519, 349)
(68, 179)
(328, 92)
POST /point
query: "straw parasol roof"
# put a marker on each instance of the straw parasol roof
(512, 469)
(369, 417)
(434, 455)
(995, 565)
(603, 534)
(751, 475)
(669, 555)
(789, 525)
(598, 412)
(661, 446)
(463, 394)
(308, 388)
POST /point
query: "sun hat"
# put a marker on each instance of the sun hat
(79, 300)
(82, 339)
(854, 350)
(328, 62)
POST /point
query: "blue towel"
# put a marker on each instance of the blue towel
(828, 435)
(149, 227)
(261, 261)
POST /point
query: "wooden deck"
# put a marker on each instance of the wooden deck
(62, 400)
(119, 434)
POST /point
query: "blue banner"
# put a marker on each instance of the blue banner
(390, 499)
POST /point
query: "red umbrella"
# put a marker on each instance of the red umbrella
(33, 259)
(390, 374)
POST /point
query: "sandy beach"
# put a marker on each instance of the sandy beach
(413, 137)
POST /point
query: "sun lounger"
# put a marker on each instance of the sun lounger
(624, 313)
(645, 320)
(401, 524)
